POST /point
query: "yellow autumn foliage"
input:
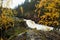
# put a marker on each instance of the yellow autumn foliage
(6, 18)
(21, 8)
(50, 9)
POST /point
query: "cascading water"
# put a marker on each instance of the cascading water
(32, 24)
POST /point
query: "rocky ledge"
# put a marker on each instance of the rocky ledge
(38, 35)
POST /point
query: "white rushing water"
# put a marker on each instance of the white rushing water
(32, 24)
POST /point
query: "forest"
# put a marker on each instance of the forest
(44, 12)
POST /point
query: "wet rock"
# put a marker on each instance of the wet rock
(39, 35)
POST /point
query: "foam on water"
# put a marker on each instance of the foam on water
(33, 25)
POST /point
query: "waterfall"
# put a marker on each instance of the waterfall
(32, 24)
